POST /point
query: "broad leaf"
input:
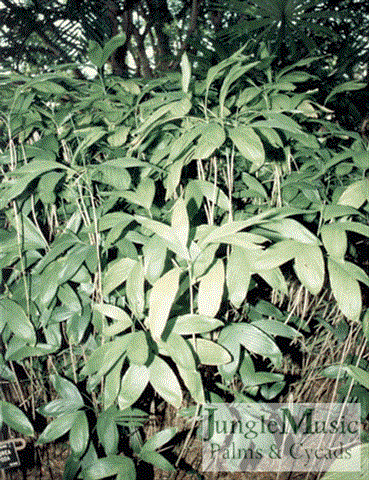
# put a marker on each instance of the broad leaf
(58, 427)
(158, 440)
(165, 382)
(210, 353)
(162, 296)
(14, 316)
(14, 418)
(133, 384)
(346, 290)
(249, 145)
(211, 290)
(191, 324)
(238, 276)
(309, 267)
(79, 434)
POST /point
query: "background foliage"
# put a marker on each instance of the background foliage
(147, 223)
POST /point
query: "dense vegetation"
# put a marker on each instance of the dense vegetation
(154, 229)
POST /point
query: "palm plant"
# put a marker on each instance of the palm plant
(42, 32)
(291, 28)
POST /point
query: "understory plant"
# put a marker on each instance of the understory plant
(142, 227)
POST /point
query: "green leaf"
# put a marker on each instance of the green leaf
(165, 382)
(173, 178)
(275, 327)
(119, 465)
(15, 190)
(117, 177)
(144, 194)
(72, 261)
(67, 390)
(254, 185)
(116, 313)
(361, 159)
(238, 276)
(289, 228)
(133, 384)
(14, 316)
(32, 236)
(71, 468)
(346, 290)
(276, 255)
(95, 362)
(159, 439)
(358, 374)
(90, 136)
(366, 324)
(157, 460)
(346, 468)
(110, 47)
(135, 290)
(180, 351)
(334, 240)
(60, 245)
(309, 268)
(197, 189)
(216, 71)
(154, 258)
(250, 378)
(210, 353)
(58, 407)
(192, 324)
(152, 119)
(107, 430)
(112, 384)
(95, 53)
(138, 348)
(356, 227)
(77, 325)
(119, 137)
(232, 344)
(116, 274)
(218, 234)
(333, 211)
(79, 434)
(186, 72)
(345, 87)
(162, 296)
(234, 74)
(275, 279)
(14, 418)
(212, 138)
(57, 428)
(249, 145)
(34, 168)
(180, 222)
(211, 290)
(203, 258)
(280, 121)
(166, 233)
(255, 340)
(49, 87)
(355, 194)
(115, 351)
(192, 380)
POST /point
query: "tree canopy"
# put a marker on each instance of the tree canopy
(42, 32)
(36, 35)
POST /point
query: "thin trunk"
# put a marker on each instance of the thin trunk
(159, 17)
(141, 52)
(195, 10)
